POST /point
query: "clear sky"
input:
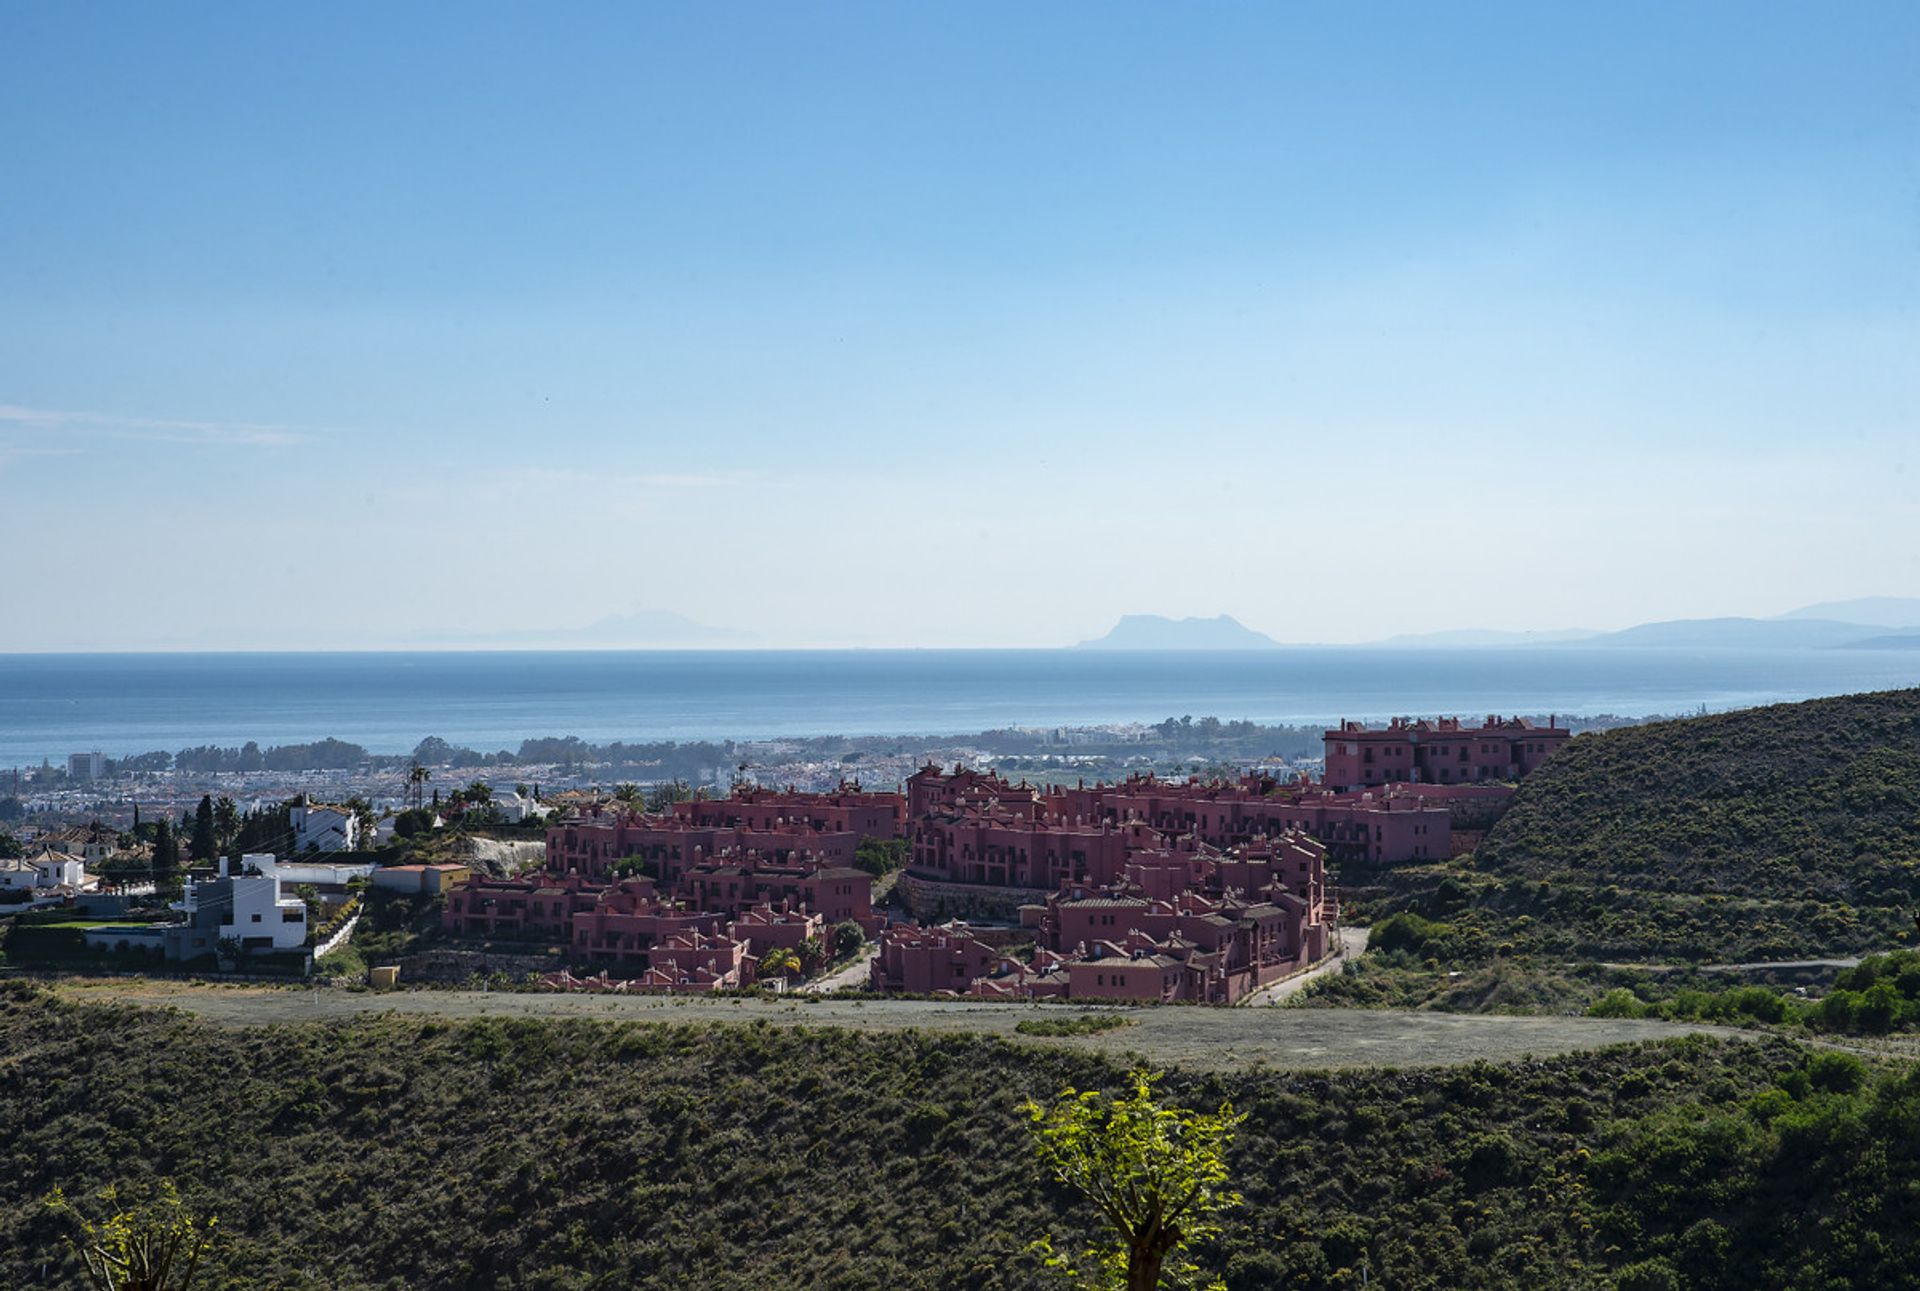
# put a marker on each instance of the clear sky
(969, 324)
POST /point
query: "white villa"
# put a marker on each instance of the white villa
(249, 907)
(319, 827)
(48, 874)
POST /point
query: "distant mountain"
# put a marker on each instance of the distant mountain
(1874, 611)
(1157, 632)
(1471, 638)
(1736, 633)
(1899, 641)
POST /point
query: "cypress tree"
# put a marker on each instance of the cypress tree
(166, 852)
(202, 848)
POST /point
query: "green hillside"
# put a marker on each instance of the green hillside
(1770, 833)
(391, 1153)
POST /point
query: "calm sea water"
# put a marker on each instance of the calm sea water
(51, 705)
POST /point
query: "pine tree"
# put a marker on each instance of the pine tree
(203, 847)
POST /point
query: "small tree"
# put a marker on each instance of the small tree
(1157, 1175)
(848, 938)
(153, 1247)
(661, 797)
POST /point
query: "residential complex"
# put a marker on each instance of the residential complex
(1142, 888)
(1442, 751)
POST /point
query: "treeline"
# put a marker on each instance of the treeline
(660, 759)
(1175, 737)
(321, 755)
(667, 759)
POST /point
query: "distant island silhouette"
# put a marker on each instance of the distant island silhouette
(1157, 632)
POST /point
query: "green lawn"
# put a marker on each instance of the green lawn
(95, 923)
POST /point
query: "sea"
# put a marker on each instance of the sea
(119, 704)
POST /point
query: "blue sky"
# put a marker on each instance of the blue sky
(961, 324)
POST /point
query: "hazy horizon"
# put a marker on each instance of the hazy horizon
(841, 325)
(582, 639)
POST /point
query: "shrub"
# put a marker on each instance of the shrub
(1648, 1275)
(1836, 1073)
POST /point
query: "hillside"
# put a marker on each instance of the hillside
(395, 1153)
(1768, 833)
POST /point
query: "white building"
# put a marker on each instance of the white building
(46, 873)
(86, 766)
(323, 875)
(321, 828)
(249, 908)
(516, 808)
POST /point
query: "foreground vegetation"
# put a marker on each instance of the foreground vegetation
(572, 1155)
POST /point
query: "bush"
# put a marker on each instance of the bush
(1083, 1024)
(1648, 1275)
(1836, 1073)
(1617, 1003)
(1406, 932)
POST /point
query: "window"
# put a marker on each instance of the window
(256, 918)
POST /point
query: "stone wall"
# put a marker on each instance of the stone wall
(934, 901)
(459, 965)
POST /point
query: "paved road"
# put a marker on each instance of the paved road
(1353, 944)
(1178, 1035)
(856, 974)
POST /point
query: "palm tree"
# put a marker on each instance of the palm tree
(780, 962)
(226, 822)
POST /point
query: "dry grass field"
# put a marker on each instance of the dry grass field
(1170, 1036)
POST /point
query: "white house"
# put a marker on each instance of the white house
(515, 807)
(46, 873)
(318, 827)
(249, 908)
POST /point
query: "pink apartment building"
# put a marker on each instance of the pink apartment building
(1441, 751)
